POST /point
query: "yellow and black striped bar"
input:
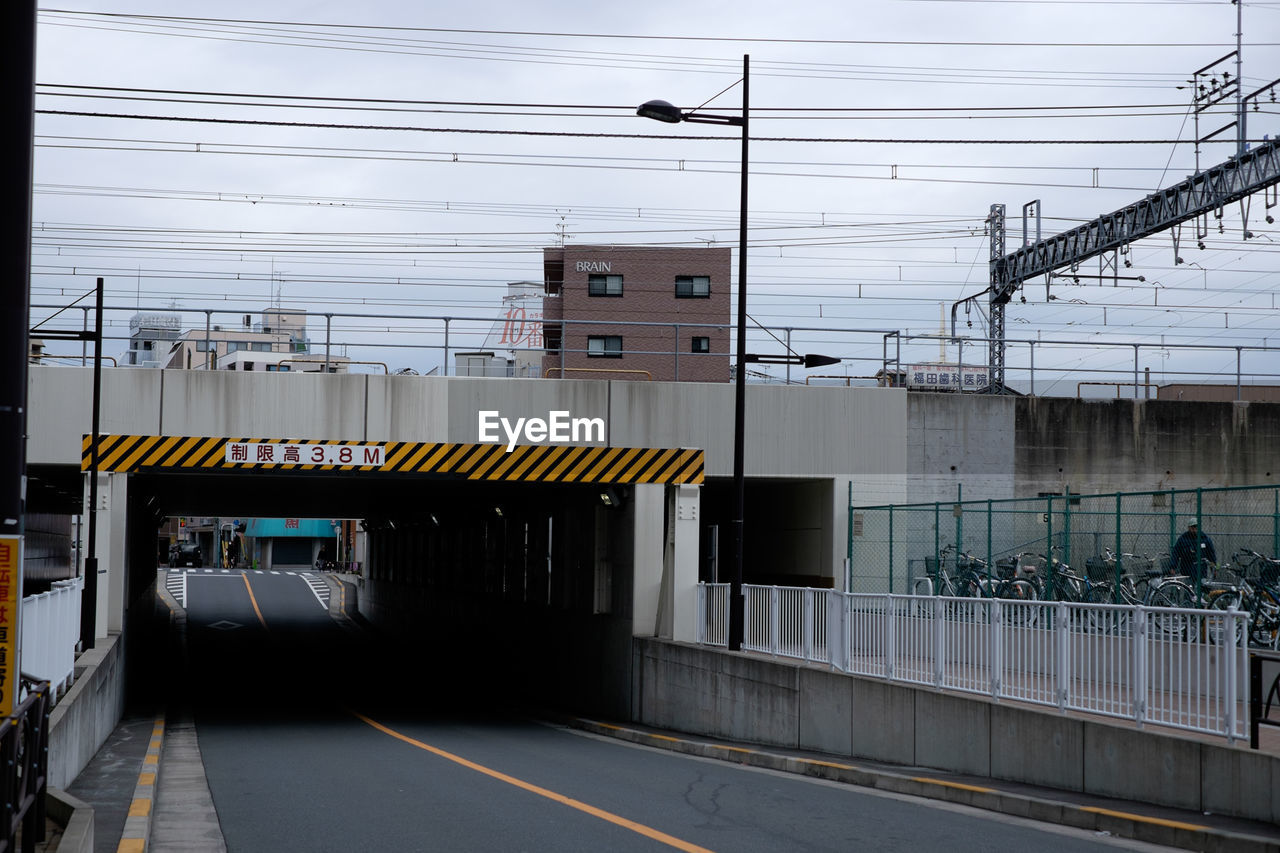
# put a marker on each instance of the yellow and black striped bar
(538, 463)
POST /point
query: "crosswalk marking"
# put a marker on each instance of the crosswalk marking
(319, 589)
(175, 583)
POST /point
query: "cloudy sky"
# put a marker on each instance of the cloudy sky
(401, 161)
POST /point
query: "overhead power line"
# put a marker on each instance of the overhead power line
(627, 110)
(581, 135)
(628, 36)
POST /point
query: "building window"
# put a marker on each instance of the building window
(604, 285)
(701, 344)
(236, 346)
(261, 346)
(202, 345)
(604, 346)
(693, 287)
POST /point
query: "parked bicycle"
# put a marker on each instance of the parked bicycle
(1143, 580)
(1257, 592)
(972, 578)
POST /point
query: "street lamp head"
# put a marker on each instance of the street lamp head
(661, 111)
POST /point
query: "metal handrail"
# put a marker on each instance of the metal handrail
(892, 343)
(36, 359)
(24, 768)
(563, 370)
(1118, 386)
(837, 376)
(317, 361)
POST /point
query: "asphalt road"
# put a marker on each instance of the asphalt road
(315, 741)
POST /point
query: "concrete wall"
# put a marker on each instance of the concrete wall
(86, 716)
(967, 441)
(1097, 446)
(720, 694)
(792, 431)
(1003, 447)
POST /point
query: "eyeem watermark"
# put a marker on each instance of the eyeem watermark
(558, 428)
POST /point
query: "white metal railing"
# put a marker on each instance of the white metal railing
(1181, 668)
(50, 631)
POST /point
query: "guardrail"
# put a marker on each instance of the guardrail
(1181, 668)
(426, 342)
(50, 631)
(24, 767)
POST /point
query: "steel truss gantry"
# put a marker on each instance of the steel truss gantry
(1203, 193)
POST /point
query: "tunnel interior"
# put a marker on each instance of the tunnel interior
(458, 576)
(538, 577)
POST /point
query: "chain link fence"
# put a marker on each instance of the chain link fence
(928, 548)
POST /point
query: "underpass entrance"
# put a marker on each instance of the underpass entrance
(549, 554)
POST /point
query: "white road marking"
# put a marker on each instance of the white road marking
(176, 585)
(318, 588)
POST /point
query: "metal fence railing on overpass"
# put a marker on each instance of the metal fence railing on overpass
(426, 343)
(1177, 667)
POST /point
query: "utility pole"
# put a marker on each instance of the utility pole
(15, 284)
(19, 38)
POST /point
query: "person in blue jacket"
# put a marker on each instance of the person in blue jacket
(1192, 551)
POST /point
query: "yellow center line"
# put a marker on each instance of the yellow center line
(254, 601)
(639, 828)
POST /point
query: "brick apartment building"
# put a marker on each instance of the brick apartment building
(684, 291)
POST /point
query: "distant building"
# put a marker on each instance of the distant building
(278, 341)
(518, 332)
(1219, 393)
(627, 312)
(151, 336)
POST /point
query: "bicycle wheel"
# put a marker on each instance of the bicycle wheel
(1020, 594)
(1264, 631)
(1216, 630)
(1109, 620)
(1171, 594)
(1264, 628)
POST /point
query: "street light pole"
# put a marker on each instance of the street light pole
(737, 603)
(664, 111)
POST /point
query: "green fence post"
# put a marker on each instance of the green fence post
(937, 546)
(988, 540)
(958, 512)
(1199, 563)
(891, 556)
(1173, 525)
(848, 562)
(1049, 548)
(1275, 525)
(1115, 593)
(1066, 547)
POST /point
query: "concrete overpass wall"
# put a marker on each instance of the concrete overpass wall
(792, 431)
(1004, 447)
(1099, 446)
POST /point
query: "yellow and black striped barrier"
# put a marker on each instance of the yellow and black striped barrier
(530, 463)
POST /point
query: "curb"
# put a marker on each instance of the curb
(137, 826)
(74, 816)
(1170, 833)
